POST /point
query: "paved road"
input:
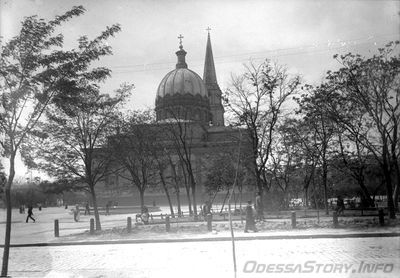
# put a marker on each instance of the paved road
(317, 257)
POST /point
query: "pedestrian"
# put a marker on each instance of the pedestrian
(145, 215)
(77, 213)
(206, 209)
(30, 213)
(340, 206)
(250, 222)
(108, 208)
(259, 207)
(87, 208)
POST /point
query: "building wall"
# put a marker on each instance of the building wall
(207, 144)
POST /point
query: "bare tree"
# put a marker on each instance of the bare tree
(256, 99)
(181, 134)
(311, 106)
(355, 159)
(286, 156)
(133, 150)
(162, 161)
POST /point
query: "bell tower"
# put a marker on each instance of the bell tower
(210, 80)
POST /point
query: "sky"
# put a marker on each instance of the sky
(302, 35)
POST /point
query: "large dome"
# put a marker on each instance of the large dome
(181, 81)
(182, 94)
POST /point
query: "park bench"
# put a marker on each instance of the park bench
(364, 211)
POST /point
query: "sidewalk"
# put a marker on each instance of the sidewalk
(114, 231)
(168, 238)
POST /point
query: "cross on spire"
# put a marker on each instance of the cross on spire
(208, 29)
(180, 37)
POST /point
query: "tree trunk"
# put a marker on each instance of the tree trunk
(240, 203)
(6, 251)
(167, 194)
(306, 197)
(187, 188)
(325, 183)
(395, 161)
(365, 191)
(396, 196)
(213, 198)
(234, 199)
(259, 182)
(396, 187)
(388, 181)
(177, 190)
(392, 211)
(223, 204)
(189, 200)
(193, 186)
(389, 194)
(178, 200)
(141, 194)
(95, 208)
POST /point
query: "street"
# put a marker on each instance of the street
(255, 258)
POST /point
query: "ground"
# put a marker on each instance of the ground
(207, 259)
(189, 250)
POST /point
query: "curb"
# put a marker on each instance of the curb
(211, 239)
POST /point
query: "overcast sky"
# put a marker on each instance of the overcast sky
(304, 35)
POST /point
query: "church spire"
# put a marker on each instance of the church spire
(213, 90)
(209, 76)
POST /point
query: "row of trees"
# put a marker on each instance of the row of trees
(306, 134)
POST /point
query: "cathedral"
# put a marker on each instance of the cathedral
(184, 97)
(183, 94)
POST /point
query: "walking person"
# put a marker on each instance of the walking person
(30, 213)
(108, 208)
(250, 222)
(340, 206)
(77, 213)
(87, 208)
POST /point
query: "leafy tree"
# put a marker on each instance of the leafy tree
(354, 160)
(346, 183)
(310, 156)
(35, 72)
(365, 95)
(286, 157)
(3, 180)
(221, 177)
(132, 149)
(60, 186)
(311, 106)
(73, 139)
(256, 100)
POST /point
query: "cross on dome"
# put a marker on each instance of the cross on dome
(180, 37)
